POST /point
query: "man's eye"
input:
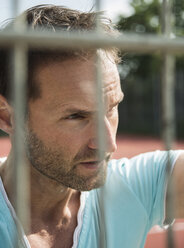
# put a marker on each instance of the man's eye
(75, 117)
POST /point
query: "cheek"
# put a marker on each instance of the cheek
(68, 140)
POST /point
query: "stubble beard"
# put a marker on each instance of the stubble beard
(54, 165)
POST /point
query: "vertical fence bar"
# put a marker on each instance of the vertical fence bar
(100, 118)
(21, 173)
(99, 93)
(168, 114)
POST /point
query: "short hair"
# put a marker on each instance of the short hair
(54, 18)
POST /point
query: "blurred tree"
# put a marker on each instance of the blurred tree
(145, 18)
(140, 74)
(178, 10)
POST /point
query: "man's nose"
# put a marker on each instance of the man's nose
(109, 139)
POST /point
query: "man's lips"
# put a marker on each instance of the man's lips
(92, 165)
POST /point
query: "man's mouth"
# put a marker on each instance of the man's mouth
(91, 165)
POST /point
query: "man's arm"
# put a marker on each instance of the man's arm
(178, 188)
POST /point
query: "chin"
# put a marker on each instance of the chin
(91, 187)
(87, 184)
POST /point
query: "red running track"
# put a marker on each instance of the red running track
(129, 146)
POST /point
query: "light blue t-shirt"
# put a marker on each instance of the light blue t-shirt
(120, 213)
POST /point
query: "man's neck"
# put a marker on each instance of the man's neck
(51, 203)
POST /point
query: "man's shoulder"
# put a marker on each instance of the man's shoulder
(137, 159)
(142, 162)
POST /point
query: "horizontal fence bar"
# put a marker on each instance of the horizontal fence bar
(126, 42)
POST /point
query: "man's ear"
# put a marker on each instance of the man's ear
(6, 115)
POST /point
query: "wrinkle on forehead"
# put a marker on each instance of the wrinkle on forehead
(112, 94)
(110, 86)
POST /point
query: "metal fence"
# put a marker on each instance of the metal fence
(20, 39)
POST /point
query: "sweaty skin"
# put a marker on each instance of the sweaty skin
(62, 145)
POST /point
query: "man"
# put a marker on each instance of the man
(77, 198)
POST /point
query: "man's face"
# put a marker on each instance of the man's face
(61, 133)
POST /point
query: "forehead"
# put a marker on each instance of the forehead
(64, 82)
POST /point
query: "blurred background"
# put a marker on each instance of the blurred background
(140, 113)
(141, 110)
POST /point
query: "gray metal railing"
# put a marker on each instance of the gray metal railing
(20, 40)
(126, 42)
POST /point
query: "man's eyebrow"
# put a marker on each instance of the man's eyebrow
(78, 111)
(85, 112)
